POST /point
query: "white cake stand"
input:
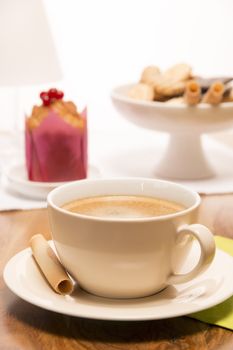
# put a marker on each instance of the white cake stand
(184, 157)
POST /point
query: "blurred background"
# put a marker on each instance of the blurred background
(107, 43)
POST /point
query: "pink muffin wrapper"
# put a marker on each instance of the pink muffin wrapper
(56, 151)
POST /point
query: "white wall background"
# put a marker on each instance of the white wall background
(104, 43)
(110, 41)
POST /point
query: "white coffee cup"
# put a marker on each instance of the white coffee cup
(127, 257)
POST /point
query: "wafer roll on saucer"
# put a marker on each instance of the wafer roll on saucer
(50, 266)
(214, 94)
(192, 94)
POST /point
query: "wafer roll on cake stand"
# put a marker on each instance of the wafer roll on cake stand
(214, 94)
(192, 93)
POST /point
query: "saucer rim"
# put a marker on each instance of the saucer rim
(26, 253)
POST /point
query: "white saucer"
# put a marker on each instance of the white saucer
(16, 180)
(22, 276)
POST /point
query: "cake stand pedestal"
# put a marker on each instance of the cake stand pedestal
(184, 158)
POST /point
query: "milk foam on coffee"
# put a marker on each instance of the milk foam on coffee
(125, 206)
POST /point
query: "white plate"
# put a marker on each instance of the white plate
(214, 286)
(17, 181)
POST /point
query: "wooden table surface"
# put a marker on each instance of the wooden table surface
(24, 326)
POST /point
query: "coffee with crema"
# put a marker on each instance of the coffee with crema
(125, 206)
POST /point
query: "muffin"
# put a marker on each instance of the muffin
(56, 140)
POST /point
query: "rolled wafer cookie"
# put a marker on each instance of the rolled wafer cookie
(214, 94)
(192, 94)
(51, 267)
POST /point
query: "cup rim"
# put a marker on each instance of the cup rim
(119, 220)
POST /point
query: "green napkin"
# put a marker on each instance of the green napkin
(221, 314)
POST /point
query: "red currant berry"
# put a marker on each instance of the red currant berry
(42, 94)
(52, 93)
(46, 99)
(59, 95)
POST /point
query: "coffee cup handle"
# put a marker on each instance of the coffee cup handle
(207, 245)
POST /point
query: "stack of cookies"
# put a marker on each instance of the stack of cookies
(178, 85)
